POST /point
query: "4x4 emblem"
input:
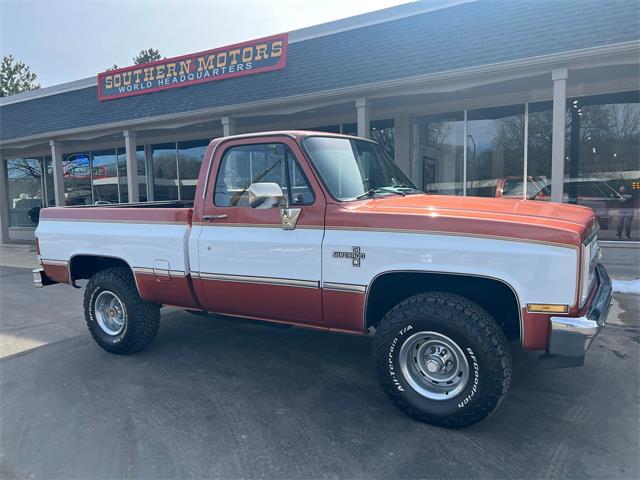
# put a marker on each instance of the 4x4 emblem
(355, 255)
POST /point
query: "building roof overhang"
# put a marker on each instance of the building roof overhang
(442, 82)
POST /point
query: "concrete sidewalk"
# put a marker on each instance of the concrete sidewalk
(18, 255)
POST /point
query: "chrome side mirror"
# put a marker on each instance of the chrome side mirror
(265, 195)
(270, 195)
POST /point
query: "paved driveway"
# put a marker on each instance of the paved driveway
(217, 398)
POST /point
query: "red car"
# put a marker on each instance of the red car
(595, 194)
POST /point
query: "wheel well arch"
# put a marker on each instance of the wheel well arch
(85, 266)
(497, 297)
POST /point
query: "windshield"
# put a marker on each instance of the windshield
(353, 169)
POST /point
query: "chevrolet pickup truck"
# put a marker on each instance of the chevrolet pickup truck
(325, 231)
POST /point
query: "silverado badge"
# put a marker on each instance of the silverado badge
(355, 255)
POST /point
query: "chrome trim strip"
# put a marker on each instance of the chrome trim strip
(62, 263)
(185, 250)
(256, 225)
(151, 271)
(148, 271)
(287, 282)
(344, 287)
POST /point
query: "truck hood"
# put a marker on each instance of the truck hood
(518, 219)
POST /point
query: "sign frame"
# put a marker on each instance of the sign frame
(280, 64)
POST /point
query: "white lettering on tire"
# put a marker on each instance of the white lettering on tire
(476, 379)
(392, 371)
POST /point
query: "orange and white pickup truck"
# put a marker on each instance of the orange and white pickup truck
(325, 231)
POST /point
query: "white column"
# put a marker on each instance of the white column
(4, 203)
(148, 169)
(402, 142)
(362, 108)
(132, 166)
(58, 173)
(228, 126)
(559, 77)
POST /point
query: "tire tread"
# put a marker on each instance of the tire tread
(466, 315)
(143, 317)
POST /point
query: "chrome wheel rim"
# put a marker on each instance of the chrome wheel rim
(434, 365)
(109, 313)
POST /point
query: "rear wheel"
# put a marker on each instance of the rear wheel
(442, 359)
(118, 319)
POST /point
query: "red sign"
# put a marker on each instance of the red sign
(247, 58)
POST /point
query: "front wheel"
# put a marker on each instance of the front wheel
(442, 359)
(118, 319)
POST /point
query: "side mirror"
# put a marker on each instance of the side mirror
(270, 195)
(265, 195)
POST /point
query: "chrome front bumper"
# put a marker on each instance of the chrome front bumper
(571, 336)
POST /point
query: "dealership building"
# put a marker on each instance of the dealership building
(500, 98)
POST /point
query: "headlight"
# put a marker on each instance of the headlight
(590, 257)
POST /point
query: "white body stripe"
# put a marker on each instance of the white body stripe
(261, 252)
(138, 244)
(302, 254)
(526, 267)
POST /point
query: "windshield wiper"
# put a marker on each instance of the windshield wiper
(373, 191)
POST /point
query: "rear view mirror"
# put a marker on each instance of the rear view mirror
(265, 195)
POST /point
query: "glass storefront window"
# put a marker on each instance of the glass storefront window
(439, 152)
(382, 131)
(165, 171)
(76, 169)
(25, 188)
(495, 149)
(122, 175)
(48, 181)
(190, 154)
(602, 168)
(327, 128)
(539, 151)
(105, 177)
(350, 129)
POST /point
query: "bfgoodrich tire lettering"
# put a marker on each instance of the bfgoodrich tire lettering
(140, 320)
(453, 324)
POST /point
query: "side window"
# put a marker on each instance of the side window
(246, 164)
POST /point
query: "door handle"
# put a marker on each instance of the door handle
(208, 218)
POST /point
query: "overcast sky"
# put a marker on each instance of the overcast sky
(64, 40)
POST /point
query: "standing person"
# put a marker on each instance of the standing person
(625, 214)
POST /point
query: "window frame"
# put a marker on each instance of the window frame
(287, 175)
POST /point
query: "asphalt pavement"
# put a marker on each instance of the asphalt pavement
(218, 398)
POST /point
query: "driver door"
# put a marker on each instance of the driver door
(249, 265)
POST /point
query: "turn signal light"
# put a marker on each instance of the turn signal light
(547, 308)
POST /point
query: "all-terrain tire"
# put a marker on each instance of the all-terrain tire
(139, 320)
(469, 327)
